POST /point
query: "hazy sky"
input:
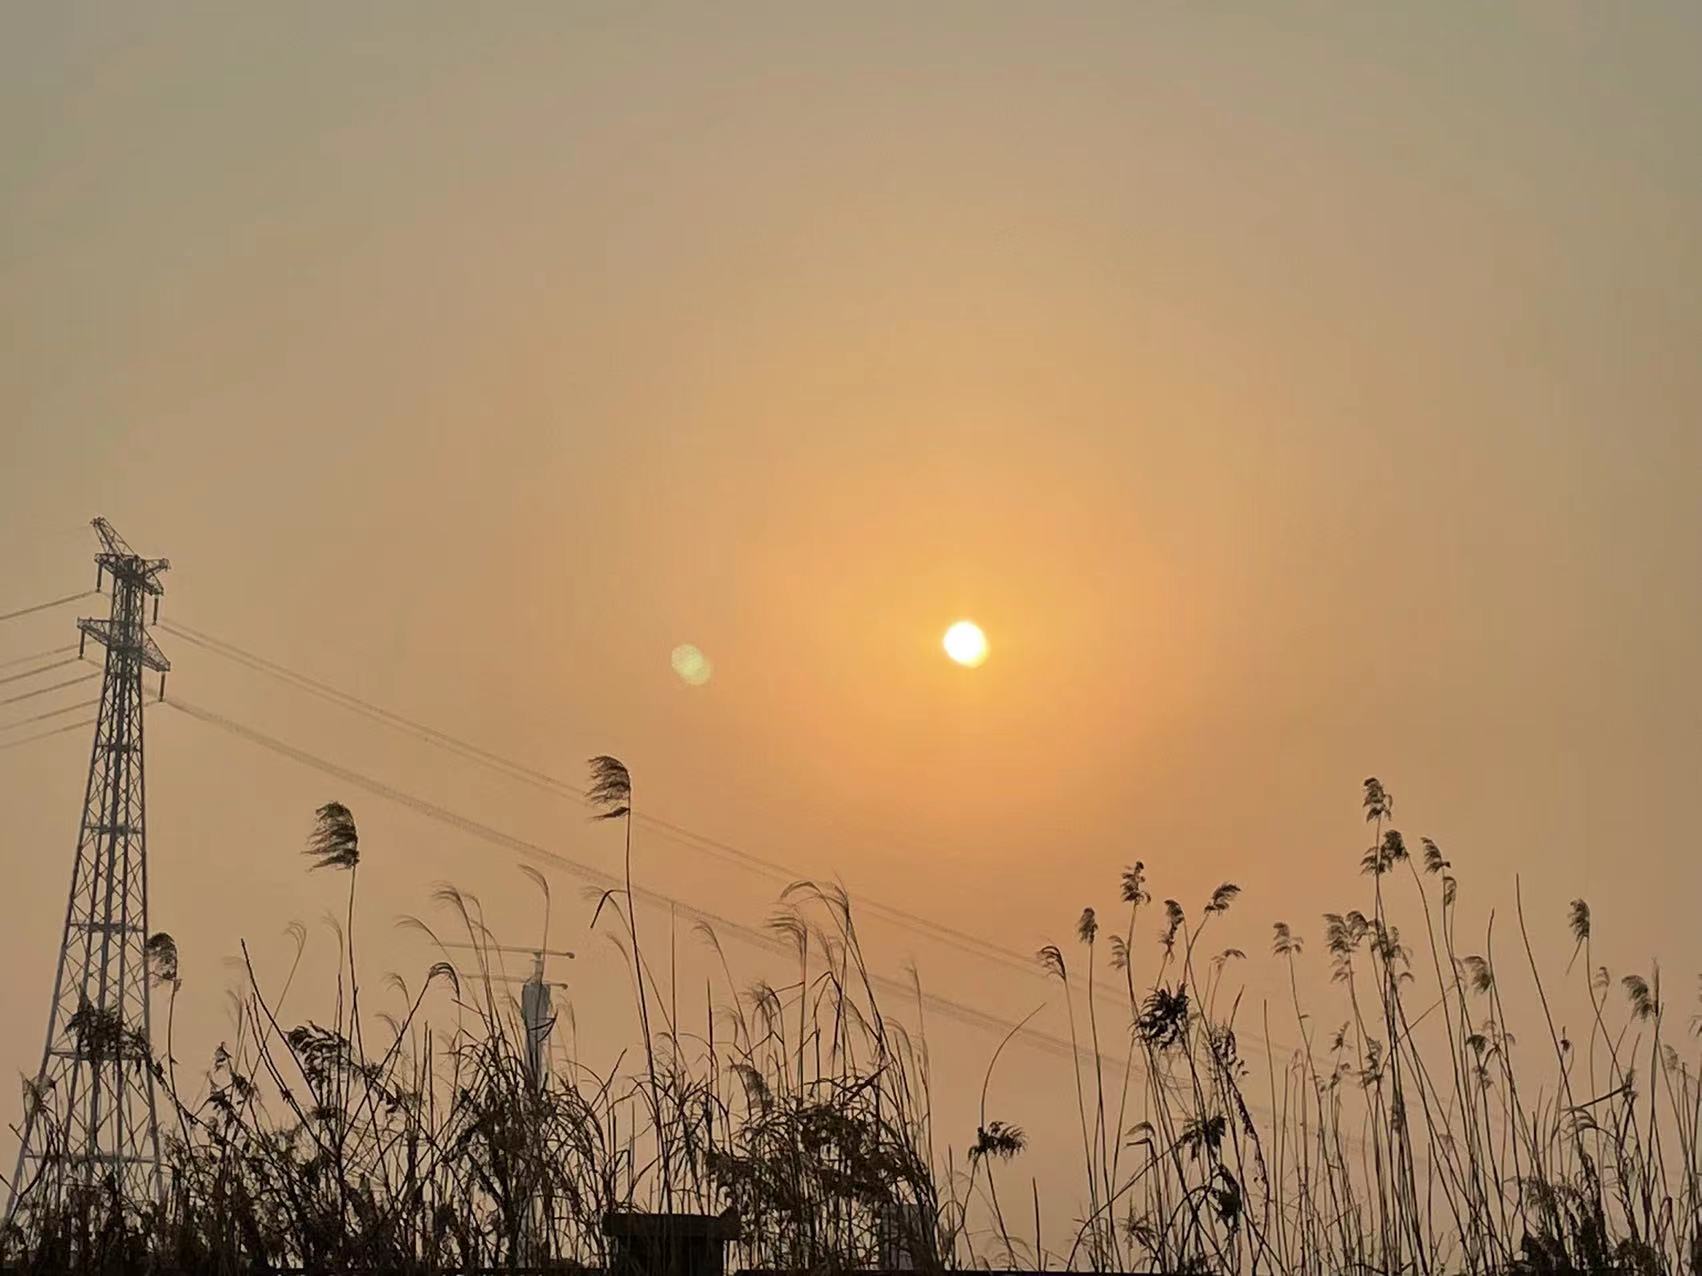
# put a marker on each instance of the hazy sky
(1293, 396)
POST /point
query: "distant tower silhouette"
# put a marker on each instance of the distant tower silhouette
(90, 1119)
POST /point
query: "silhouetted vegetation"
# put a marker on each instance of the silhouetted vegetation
(1416, 1136)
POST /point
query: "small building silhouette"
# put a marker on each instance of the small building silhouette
(669, 1244)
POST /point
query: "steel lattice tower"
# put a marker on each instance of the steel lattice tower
(90, 1119)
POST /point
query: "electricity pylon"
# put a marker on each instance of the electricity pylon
(90, 1119)
(537, 1003)
(537, 1018)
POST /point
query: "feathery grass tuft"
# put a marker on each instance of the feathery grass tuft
(334, 843)
(610, 791)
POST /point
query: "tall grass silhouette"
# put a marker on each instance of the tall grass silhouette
(1416, 1136)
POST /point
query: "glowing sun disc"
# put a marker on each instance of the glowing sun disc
(966, 644)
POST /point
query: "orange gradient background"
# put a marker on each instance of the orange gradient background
(1291, 398)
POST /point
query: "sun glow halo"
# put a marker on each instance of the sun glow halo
(966, 644)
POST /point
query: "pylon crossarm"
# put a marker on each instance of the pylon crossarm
(128, 639)
(124, 564)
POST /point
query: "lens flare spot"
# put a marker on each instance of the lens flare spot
(691, 665)
(966, 644)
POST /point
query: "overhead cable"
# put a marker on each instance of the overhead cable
(38, 655)
(784, 874)
(51, 603)
(42, 691)
(43, 735)
(30, 673)
(716, 922)
(51, 713)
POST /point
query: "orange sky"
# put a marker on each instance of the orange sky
(1291, 399)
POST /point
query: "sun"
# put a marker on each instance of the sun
(965, 643)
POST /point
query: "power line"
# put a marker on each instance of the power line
(608, 881)
(56, 602)
(716, 923)
(58, 686)
(51, 713)
(915, 923)
(453, 744)
(783, 873)
(959, 1011)
(43, 735)
(30, 673)
(38, 655)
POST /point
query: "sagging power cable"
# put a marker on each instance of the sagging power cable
(51, 713)
(781, 873)
(46, 606)
(58, 686)
(43, 735)
(716, 922)
(31, 673)
(38, 655)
